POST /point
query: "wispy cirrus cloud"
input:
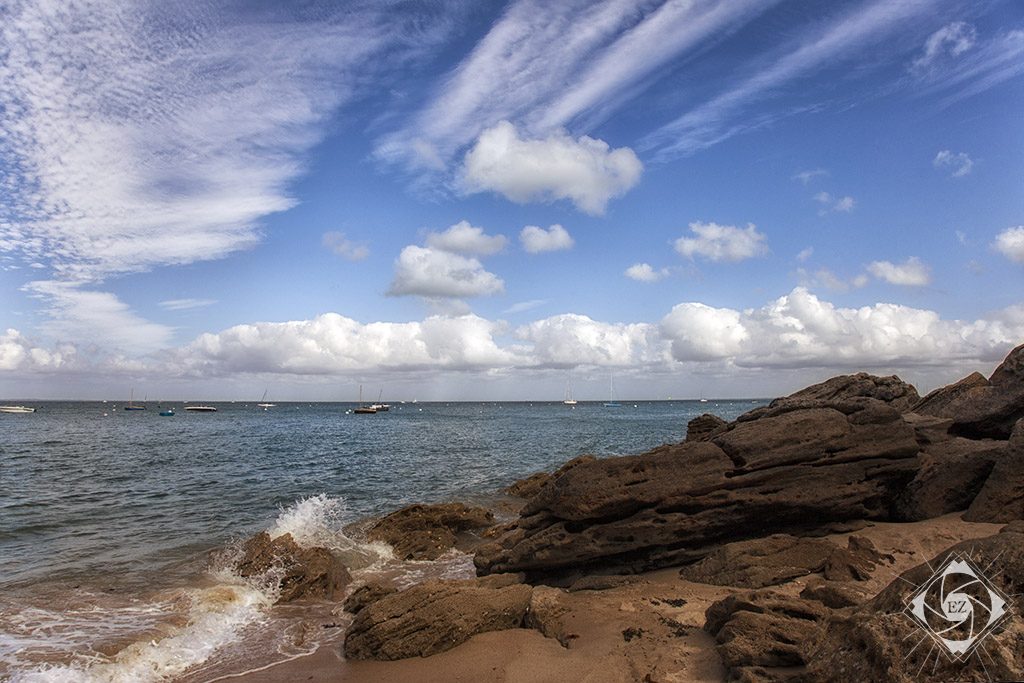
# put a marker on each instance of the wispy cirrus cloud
(542, 65)
(991, 61)
(185, 304)
(824, 45)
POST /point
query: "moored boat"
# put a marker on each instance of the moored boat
(16, 409)
(201, 409)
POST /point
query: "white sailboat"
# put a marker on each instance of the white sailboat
(263, 404)
(569, 400)
(612, 403)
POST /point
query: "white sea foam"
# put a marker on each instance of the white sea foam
(215, 617)
(319, 521)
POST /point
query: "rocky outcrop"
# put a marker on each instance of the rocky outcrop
(890, 390)
(425, 532)
(433, 617)
(366, 594)
(982, 408)
(300, 573)
(760, 631)
(791, 468)
(532, 485)
(1001, 499)
(780, 558)
(702, 427)
(879, 642)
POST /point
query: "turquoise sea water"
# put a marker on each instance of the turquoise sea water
(127, 505)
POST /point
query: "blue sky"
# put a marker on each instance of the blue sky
(458, 200)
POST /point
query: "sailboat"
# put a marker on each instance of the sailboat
(378, 406)
(131, 403)
(569, 400)
(363, 409)
(263, 404)
(612, 403)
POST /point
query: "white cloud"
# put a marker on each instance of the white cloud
(958, 165)
(805, 254)
(18, 353)
(823, 277)
(911, 273)
(643, 272)
(830, 203)
(807, 176)
(586, 171)
(1010, 243)
(463, 238)
(989, 63)
(341, 245)
(427, 272)
(722, 242)
(536, 239)
(83, 316)
(801, 330)
(544, 64)
(523, 306)
(331, 343)
(570, 340)
(185, 304)
(954, 39)
(133, 138)
(723, 116)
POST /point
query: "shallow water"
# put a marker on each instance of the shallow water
(108, 518)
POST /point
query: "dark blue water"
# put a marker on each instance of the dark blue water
(89, 487)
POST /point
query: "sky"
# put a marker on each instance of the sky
(459, 200)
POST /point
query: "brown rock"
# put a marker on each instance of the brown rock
(531, 485)
(761, 562)
(833, 594)
(1001, 499)
(433, 617)
(879, 642)
(792, 472)
(703, 426)
(891, 390)
(366, 594)
(982, 409)
(763, 630)
(425, 532)
(302, 572)
(856, 562)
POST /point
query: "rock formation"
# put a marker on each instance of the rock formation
(300, 573)
(425, 532)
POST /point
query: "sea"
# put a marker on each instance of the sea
(118, 528)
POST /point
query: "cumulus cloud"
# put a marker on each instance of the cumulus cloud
(823, 277)
(801, 330)
(722, 242)
(569, 340)
(911, 273)
(427, 272)
(643, 272)
(1010, 243)
(18, 353)
(536, 239)
(341, 245)
(830, 203)
(586, 171)
(953, 39)
(958, 165)
(463, 238)
(807, 176)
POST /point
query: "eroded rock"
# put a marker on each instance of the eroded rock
(425, 532)
(703, 426)
(1001, 499)
(301, 573)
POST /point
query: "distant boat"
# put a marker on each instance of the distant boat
(378, 406)
(16, 409)
(169, 412)
(131, 403)
(612, 403)
(569, 400)
(363, 409)
(262, 403)
(201, 409)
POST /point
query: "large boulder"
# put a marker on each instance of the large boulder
(300, 573)
(878, 641)
(891, 390)
(780, 558)
(982, 408)
(425, 532)
(433, 617)
(790, 470)
(1001, 499)
(703, 427)
(532, 485)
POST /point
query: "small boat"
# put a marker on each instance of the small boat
(569, 400)
(201, 409)
(612, 403)
(380, 407)
(363, 409)
(167, 413)
(131, 403)
(263, 404)
(16, 409)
